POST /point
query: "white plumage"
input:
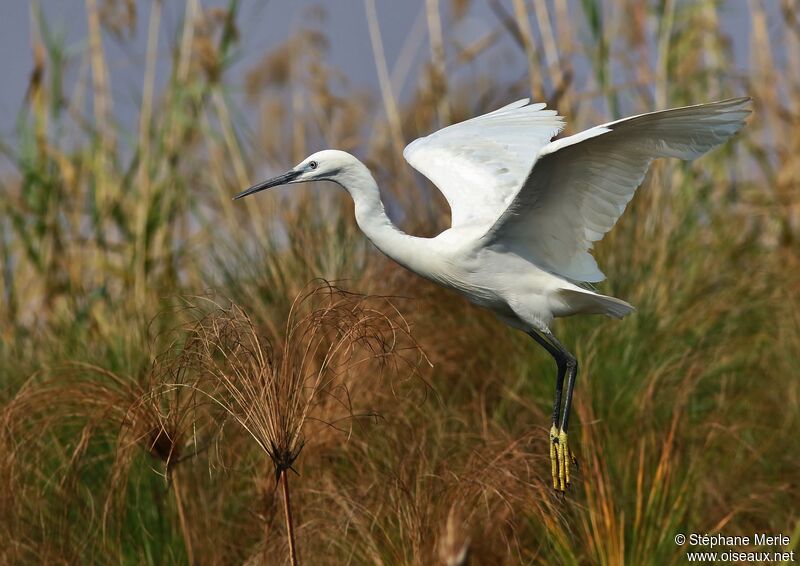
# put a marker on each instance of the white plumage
(526, 211)
(580, 185)
(479, 164)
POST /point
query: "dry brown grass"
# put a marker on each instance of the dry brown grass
(306, 386)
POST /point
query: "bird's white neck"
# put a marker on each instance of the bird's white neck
(375, 223)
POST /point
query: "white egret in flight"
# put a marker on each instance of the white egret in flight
(525, 213)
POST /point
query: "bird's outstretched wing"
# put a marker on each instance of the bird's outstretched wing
(580, 185)
(479, 164)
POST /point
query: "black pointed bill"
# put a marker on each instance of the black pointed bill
(287, 177)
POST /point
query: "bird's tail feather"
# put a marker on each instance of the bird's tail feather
(586, 302)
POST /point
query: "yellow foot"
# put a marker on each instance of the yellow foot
(561, 458)
(554, 455)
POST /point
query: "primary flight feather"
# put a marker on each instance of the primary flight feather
(525, 213)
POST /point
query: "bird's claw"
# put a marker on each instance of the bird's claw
(561, 459)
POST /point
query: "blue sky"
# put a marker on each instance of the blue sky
(266, 24)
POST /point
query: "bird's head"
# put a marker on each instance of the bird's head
(329, 164)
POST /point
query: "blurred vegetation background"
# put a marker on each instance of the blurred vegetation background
(116, 243)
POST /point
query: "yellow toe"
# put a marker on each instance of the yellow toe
(554, 455)
(563, 460)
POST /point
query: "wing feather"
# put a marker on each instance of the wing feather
(580, 185)
(479, 164)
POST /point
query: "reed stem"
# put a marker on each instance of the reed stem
(187, 541)
(289, 522)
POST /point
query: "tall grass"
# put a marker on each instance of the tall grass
(114, 450)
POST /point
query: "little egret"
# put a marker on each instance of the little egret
(525, 213)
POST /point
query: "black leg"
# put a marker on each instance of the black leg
(561, 364)
(560, 454)
(572, 374)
